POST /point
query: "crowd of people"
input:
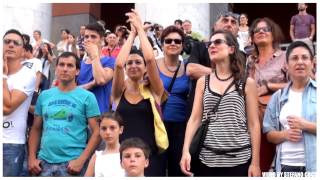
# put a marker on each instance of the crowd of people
(129, 102)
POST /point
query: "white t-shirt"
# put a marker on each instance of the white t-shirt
(62, 47)
(35, 64)
(108, 165)
(292, 153)
(15, 124)
(46, 67)
(243, 37)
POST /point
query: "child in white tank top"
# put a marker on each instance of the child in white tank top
(106, 163)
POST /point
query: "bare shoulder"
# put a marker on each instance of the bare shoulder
(201, 82)
(250, 85)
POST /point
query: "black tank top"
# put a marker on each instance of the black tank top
(138, 121)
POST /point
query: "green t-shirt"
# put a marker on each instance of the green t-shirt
(65, 122)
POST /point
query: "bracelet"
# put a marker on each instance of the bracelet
(4, 76)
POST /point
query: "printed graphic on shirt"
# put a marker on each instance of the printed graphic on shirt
(59, 116)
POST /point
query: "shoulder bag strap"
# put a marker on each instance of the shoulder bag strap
(206, 122)
(174, 77)
(217, 105)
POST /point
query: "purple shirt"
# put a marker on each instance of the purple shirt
(302, 25)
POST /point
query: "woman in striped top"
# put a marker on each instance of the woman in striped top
(231, 146)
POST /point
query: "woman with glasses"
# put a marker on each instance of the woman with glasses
(267, 65)
(232, 141)
(128, 94)
(291, 116)
(176, 83)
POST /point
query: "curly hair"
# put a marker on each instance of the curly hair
(276, 32)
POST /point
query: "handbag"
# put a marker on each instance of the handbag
(198, 138)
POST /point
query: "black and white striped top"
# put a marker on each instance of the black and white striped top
(227, 129)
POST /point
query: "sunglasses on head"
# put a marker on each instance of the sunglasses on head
(91, 36)
(15, 42)
(264, 29)
(176, 41)
(215, 42)
(234, 15)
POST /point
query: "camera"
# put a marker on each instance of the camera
(124, 30)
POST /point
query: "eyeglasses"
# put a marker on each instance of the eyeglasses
(91, 36)
(216, 42)
(176, 41)
(296, 58)
(15, 42)
(264, 29)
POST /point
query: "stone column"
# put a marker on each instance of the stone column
(27, 17)
(166, 13)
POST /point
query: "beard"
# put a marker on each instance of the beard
(301, 8)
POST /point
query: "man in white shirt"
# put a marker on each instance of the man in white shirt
(38, 40)
(33, 63)
(18, 87)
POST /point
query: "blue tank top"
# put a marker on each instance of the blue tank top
(175, 110)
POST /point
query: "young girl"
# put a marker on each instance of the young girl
(106, 163)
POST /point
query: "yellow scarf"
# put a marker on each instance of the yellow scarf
(160, 132)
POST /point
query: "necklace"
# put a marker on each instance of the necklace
(226, 79)
(165, 65)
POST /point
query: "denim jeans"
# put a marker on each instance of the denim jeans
(13, 156)
(25, 171)
(58, 169)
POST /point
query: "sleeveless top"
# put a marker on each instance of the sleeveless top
(175, 110)
(227, 143)
(108, 165)
(138, 121)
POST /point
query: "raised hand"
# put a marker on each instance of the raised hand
(92, 50)
(134, 19)
(5, 65)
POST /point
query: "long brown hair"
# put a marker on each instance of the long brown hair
(237, 59)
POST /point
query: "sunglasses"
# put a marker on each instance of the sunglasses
(91, 36)
(176, 41)
(264, 29)
(15, 42)
(216, 42)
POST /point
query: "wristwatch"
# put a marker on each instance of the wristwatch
(4, 76)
